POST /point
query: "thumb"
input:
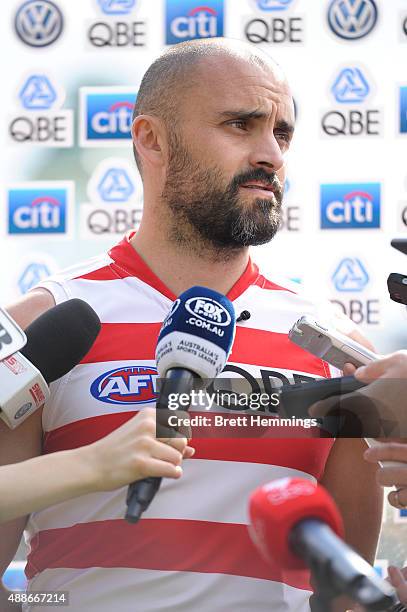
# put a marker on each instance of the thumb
(188, 452)
(373, 370)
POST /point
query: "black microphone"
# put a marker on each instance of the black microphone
(56, 342)
(193, 346)
(244, 316)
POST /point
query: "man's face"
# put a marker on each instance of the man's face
(225, 170)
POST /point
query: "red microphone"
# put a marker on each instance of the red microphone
(296, 523)
(275, 509)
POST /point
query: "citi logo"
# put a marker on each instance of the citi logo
(39, 210)
(186, 20)
(106, 115)
(352, 206)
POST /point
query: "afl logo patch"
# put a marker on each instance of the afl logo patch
(126, 385)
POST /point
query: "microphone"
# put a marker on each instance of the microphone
(56, 342)
(296, 522)
(244, 316)
(192, 349)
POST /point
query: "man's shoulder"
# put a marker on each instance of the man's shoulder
(98, 267)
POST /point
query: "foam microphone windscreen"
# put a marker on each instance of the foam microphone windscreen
(277, 507)
(59, 338)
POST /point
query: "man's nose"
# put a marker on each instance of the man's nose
(267, 154)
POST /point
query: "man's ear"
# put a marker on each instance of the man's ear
(148, 138)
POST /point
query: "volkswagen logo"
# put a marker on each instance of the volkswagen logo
(352, 19)
(38, 23)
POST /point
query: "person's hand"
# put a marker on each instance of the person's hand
(393, 366)
(132, 452)
(349, 369)
(397, 578)
(391, 476)
(379, 407)
(373, 411)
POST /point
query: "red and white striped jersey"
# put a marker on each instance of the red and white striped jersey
(191, 550)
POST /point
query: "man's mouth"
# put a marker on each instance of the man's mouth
(259, 186)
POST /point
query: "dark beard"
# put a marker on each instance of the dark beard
(215, 215)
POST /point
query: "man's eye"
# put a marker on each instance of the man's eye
(282, 136)
(239, 123)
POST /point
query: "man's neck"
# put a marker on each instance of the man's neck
(180, 268)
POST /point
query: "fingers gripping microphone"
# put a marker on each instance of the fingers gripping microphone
(56, 342)
(296, 523)
(194, 344)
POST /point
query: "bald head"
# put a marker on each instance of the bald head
(171, 77)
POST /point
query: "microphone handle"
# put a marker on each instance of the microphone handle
(141, 492)
(343, 570)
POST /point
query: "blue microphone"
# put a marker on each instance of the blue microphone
(195, 340)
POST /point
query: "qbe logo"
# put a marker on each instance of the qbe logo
(350, 206)
(115, 203)
(40, 209)
(41, 120)
(350, 275)
(115, 27)
(353, 116)
(32, 274)
(103, 221)
(272, 24)
(189, 19)
(106, 116)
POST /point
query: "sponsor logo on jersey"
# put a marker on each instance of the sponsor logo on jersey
(126, 385)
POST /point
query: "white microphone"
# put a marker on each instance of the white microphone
(12, 337)
(54, 344)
